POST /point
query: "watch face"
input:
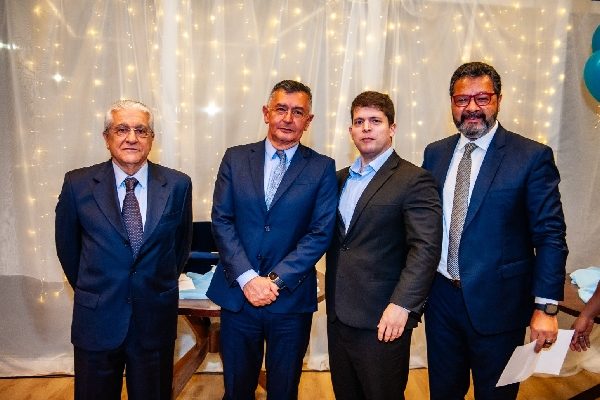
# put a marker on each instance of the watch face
(551, 309)
(273, 276)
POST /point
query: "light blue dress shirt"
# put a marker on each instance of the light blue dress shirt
(271, 161)
(357, 182)
(141, 189)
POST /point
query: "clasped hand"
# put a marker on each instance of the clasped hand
(260, 291)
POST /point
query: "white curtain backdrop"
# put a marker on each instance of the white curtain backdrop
(206, 68)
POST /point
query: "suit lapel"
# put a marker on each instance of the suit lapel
(256, 163)
(489, 167)
(381, 176)
(342, 178)
(298, 163)
(105, 194)
(440, 170)
(158, 194)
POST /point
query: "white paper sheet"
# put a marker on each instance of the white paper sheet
(524, 361)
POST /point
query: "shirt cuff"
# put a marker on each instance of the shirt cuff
(543, 300)
(246, 277)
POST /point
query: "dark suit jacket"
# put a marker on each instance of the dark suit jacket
(93, 247)
(513, 244)
(391, 249)
(288, 239)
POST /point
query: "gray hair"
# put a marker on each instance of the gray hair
(290, 86)
(126, 104)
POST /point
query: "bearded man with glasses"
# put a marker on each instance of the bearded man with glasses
(123, 234)
(502, 266)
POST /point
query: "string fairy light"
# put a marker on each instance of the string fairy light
(206, 70)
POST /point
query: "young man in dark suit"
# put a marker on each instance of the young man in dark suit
(504, 250)
(123, 234)
(382, 259)
(273, 214)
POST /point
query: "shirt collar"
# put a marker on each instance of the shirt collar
(270, 150)
(373, 165)
(141, 175)
(483, 142)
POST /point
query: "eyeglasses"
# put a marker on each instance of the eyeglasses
(481, 99)
(297, 113)
(123, 130)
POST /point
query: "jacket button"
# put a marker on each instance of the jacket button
(267, 228)
(259, 257)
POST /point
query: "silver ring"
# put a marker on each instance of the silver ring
(581, 337)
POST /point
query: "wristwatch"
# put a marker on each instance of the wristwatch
(548, 308)
(276, 280)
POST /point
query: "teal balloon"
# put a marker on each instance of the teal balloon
(596, 39)
(591, 74)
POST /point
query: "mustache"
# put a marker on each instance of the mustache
(472, 114)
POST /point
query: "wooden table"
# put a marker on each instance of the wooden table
(572, 305)
(197, 313)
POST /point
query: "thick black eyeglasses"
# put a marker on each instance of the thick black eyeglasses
(481, 99)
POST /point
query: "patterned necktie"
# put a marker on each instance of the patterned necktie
(132, 216)
(459, 209)
(276, 176)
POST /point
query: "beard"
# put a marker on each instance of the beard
(475, 131)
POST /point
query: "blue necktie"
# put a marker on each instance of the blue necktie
(132, 216)
(276, 176)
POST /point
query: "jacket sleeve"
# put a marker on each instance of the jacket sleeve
(311, 247)
(184, 232)
(232, 255)
(548, 229)
(423, 224)
(67, 232)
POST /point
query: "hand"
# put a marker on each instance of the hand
(581, 337)
(544, 329)
(260, 291)
(392, 322)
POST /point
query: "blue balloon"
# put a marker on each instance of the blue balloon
(591, 74)
(596, 39)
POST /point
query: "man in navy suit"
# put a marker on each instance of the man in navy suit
(123, 234)
(273, 215)
(504, 250)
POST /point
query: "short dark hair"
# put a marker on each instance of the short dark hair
(290, 86)
(380, 101)
(476, 70)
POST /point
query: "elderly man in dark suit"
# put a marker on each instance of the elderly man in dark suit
(504, 249)
(123, 234)
(273, 215)
(382, 258)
